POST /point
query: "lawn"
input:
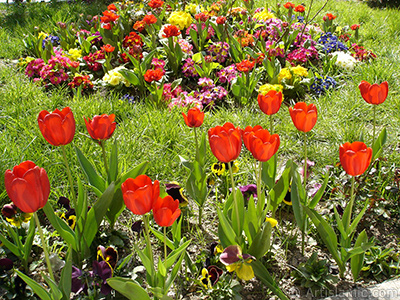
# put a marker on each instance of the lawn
(152, 138)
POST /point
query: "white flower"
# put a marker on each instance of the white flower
(344, 60)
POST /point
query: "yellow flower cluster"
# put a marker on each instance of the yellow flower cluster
(300, 71)
(180, 19)
(114, 77)
(286, 73)
(265, 88)
(194, 8)
(264, 15)
(74, 54)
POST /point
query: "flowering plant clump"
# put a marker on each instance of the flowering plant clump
(195, 41)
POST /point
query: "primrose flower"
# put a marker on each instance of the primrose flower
(114, 77)
(181, 19)
(234, 260)
(344, 60)
(74, 54)
(265, 88)
(264, 15)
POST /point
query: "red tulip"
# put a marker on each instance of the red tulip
(374, 93)
(101, 127)
(355, 158)
(194, 117)
(166, 211)
(225, 142)
(270, 103)
(304, 117)
(140, 194)
(260, 142)
(58, 127)
(28, 186)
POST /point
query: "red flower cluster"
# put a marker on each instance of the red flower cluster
(112, 7)
(329, 17)
(221, 20)
(153, 75)
(299, 8)
(107, 18)
(355, 27)
(108, 48)
(92, 59)
(289, 5)
(170, 31)
(101, 127)
(141, 196)
(194, 117)
(361, 54)
(303, 116)
(245, 66)
(58, 127)
(202, 17)
(149, 19)
(133, 39)
(139, 25)
(156, 3)
(79, 80)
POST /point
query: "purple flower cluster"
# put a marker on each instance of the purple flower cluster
(209, 93)
(188, 68)
(227, 74)
(273, 49)
(186, 46)
(158, 63)
(219, 51)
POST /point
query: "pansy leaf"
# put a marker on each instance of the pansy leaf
(128, 288)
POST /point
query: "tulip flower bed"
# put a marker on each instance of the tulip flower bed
(250, 216)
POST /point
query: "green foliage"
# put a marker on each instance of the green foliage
(314, 274)
(380, 263)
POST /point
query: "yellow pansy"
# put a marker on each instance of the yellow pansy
(264, 15)
(271, 221)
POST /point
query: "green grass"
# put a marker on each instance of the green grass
(160, 136)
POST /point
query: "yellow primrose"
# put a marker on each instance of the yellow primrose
(284, 74)
(264, 15)
(180, 19)
(300, 71)
(265, 88)
(74, 54)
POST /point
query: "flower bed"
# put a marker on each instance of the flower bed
(201, 57)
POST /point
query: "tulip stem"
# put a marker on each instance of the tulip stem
(197, 145)
(104, 156)
(71, 182)
(373, 132)
(234, 199)
(260, 205)
(147, 238)
(165, 243)
(271, 124)
(348, 216)
(305, 161)
(44, 246)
